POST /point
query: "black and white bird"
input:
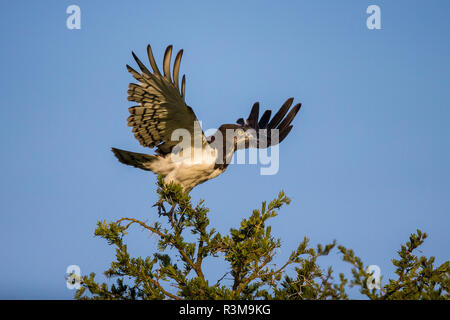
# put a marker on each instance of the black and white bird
(162, 109)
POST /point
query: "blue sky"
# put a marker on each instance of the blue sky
(367, 162)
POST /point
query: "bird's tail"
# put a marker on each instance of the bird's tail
(138, 160)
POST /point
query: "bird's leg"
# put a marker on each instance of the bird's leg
(172, 212)
(160, 205)
(171, 216)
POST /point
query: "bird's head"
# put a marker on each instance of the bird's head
(238, 136)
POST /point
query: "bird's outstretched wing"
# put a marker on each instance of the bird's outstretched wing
(162, 108)
(280, 121)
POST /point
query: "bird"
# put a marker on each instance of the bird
(162, 111)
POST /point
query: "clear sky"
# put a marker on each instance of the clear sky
(367, 162)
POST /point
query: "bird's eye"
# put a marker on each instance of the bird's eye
(240, 132)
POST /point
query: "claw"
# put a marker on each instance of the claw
(160, 205)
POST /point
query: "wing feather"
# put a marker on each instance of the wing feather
(152, 61)
(252, 119)
(264, 127)
(176, 68)
(183, 84)
(140, 64)
(291, 115)
(166, 63)
(280, 114)
(161, 106)
(265, 119)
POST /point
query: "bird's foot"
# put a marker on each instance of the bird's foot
(160, 205)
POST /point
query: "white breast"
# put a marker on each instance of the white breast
(188, 171)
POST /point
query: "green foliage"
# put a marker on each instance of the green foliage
(249, 251)
(417, 276)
